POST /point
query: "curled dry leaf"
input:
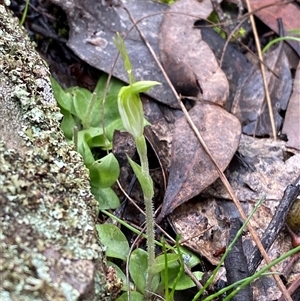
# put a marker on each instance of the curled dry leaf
(249, 104)
(187, 59)
(191, 169)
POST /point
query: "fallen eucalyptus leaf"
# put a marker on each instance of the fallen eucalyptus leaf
(234, 63)
(187, 59)
(291, 125)
(191, 169)
(250, 105)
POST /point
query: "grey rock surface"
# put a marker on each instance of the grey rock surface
(48, 242)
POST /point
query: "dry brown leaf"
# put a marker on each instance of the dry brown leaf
(291, 125)
(288, 12)
(191, 168)
(203, 222)
(94, 24)
(249, 104)
(187, 59)
(262, 170)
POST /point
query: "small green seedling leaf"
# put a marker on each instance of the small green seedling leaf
(185, 282)
(106, 198)
(134, 296)
(68, 123)
(84, 149)
(104, 172)
(145, 182)
(138, 266)
(64, 99)
(114, 240)
(189, 258)
(81, 100)
(159, 264)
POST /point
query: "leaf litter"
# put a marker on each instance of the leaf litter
(90, 39)
(249, 104)
(191, 169)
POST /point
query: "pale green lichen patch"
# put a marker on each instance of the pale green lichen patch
(49, 246)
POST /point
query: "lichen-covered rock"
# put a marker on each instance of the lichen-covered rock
(49, 247)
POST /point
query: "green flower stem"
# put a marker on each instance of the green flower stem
(141, 147)
(132, 115)
(148, 196)
(150, 241)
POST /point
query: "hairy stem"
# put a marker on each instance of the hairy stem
(148, 196)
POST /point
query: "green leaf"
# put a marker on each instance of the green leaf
(185, 281)
(104, 172)
(134, 296)
(111, 112)
(114, 240)
(106, 197)
(99, 141)
(189, 258)
(81, 100)
(138, 266)
(159, 264)
(84, 149)
(94, 137)
(68, 123)
(114, 125)
(64, 99)
(145, 181)
(143, 86)
(89, 134)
